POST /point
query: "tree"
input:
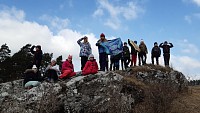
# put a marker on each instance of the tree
(4, 52)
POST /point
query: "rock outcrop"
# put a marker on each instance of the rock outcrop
(104, 92)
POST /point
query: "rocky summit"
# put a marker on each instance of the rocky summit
(104, 92)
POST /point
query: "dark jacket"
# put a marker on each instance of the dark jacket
(126, 52)
(37, 56)
(133, 50)
(166, 47)
(155, 52)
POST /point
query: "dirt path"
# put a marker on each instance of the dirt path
(188, 103)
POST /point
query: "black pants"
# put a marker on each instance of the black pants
(142, 58)
(157, 60)
(84, 59)
(166, 58)
(52, 74)
(126, 61)
(102, 61)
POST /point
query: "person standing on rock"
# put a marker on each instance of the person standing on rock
(103, 57)
(166, 52)
(126, 55)
(155, 53)
(67, 68)
(143, 53)
(91, 66)
(134, 53)
(37, 58)
(85, 50)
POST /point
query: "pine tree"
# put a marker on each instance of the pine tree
(4, 52)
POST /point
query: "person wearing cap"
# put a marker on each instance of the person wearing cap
(126, 56)
(91, 66)
(52, 71)
(142, 53)
(103, 57)
(166, 51)
(155, 53)
(85, 50)
(67, 68)
(134, 53)
(31, 75)
(37, 58)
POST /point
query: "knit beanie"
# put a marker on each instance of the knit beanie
(102, 35)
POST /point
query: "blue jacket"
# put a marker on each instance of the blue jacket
(100, 48)
(86, 49)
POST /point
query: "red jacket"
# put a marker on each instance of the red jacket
(91, 67)
(67, 66)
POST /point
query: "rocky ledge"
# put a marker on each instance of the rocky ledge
(104, 92)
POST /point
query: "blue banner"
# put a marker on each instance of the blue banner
(113, 47)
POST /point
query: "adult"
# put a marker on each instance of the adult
(155, 53)
(134, 53)
(166, 51)
(85, 50)
(126, 55)
(52, 71)
(142, 53)
(91, 66)
(32, 77)
(37, 58)
(103, 57)
(67, 68)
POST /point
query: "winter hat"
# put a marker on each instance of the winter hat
(165, 43)
(70, 57)
(53, 59)
(39, 47)
(91, 55)
(155, 43)
(135, 42)
(34, 67)
(125, 42)
(102, 35)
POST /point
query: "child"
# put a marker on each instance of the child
(91, 66)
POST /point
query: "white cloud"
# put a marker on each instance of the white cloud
(12, 14)
(187, 65)
(56, 22)
(130, 11)
(187, 47)
(197, 2)
(98, 12)
(19, 32)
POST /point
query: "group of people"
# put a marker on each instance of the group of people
(89, 64)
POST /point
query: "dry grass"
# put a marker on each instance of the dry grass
(188, 102)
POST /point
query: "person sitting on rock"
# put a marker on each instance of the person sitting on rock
(91, 66)
(67, 68)
(32, 77)
(52, 71)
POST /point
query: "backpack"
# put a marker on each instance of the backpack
(142, 48)
(156, 51)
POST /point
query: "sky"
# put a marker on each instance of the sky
(56, 25)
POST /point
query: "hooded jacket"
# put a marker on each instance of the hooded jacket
(67, 66)
(91, 67)
(85, 48)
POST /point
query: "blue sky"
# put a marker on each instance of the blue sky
(58, 24)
